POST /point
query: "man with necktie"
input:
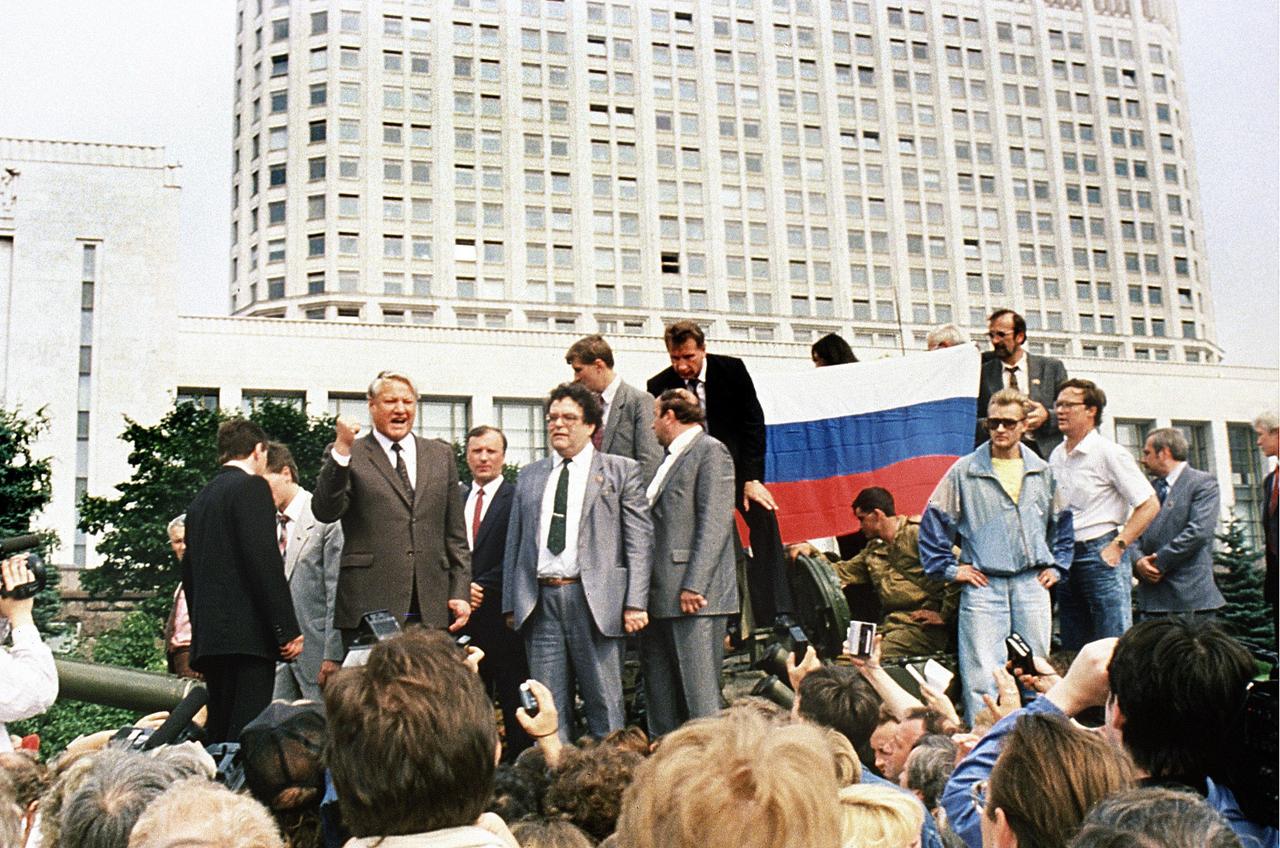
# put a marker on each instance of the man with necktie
(1267, 426)
(1012, 367)
(627, 420)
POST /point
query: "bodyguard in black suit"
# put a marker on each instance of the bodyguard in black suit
(487, 510)
(242, 617)
(734, 417)
(1037, 377)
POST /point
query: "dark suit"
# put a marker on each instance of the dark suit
(1045, 374)
(241, 612)
(396, 552)
(734, 418)
(504, 666)
(1269, 529)
(629, 430)
(681, 653)
(1181, 537)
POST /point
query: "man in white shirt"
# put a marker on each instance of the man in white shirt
(1111, 504)
(576, 568)
(627, 421)
(28, 678)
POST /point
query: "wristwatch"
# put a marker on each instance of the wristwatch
(1120, 543)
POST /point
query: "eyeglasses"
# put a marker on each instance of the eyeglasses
(978, 796)
(569, 419)
(1067, 404)
(994, 424)
(999, 334)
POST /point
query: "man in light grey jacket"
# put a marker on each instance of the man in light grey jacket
(1175, 564)
(694, 586)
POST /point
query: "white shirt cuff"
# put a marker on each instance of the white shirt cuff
(342, 459)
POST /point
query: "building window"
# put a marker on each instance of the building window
(1131, 435)
(1199, 454)
(252, 399)
(522, 421)
(1247, 472)
(203, 397)
(444, 418)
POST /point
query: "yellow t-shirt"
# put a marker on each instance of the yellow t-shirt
(1010, 473)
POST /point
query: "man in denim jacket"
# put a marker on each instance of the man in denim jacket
(1003, 507)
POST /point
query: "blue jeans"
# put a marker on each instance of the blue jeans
(988, 614)
(1094, 598)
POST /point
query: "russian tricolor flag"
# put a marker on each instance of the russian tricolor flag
(898, 423)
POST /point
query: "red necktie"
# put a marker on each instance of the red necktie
(475, 517)
(283, 534)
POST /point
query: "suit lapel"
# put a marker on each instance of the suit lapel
(611, 430)
(486, 525)
(595, 479)
(375, 454)
(301, 530)
(675, 467)
(420, 481)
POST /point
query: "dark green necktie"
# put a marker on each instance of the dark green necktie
(559, 509)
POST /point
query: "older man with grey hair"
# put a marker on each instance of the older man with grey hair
(1267, 426)
(102, 810)
(944, 335)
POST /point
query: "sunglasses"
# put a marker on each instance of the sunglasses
(994, 424)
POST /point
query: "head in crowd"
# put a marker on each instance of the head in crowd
(734, 781)
(573, 414)
(879, 817)
(393, 404)
(916, 723)
(67, 771)
(1267, 426)
(514, 796)
(587, 786)
(199, 813)
(177, 532)
(486, 453)
(1007, 418)
(412, 738)
(686, 347)
(1178, 688)
(840, 698)
(1048, 776)
(873, 507)
(831, 349)
(882, 738)
(1164, 449)
(848, 767)
(281, 475)
(12, 815)
(674, 412)
(240, 438)
(944, 336)
(531, 768)
(282, 751)
(591, 359)
(928, 768)
(1155, 817)
(550, 834)
(189, 758)
(102, 810)
(1007, 331)
(29, 776)
(630, 738)
(1080, 404)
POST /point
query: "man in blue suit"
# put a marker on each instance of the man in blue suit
(577, 563)
(1175, 566)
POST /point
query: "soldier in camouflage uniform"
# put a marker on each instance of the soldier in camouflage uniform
(918, 613)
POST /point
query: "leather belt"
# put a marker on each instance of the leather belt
(558, 581)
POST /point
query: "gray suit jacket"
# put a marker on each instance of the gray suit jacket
(693, 532)
(1045, 373)
(1181, 537)
(629, 430)
(311, 567)
(615, 541)
(391, 545)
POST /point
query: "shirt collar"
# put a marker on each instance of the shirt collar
(1172, 476)
(682, 441)
(294, 510)
(242, 464)
(611, 390)
(1021, 363)
(1084, 445)
(386, 443)
(490, 488)
(702, 374)
(582, 459)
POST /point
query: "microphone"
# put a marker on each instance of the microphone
(179, 719)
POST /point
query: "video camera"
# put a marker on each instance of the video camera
(39, 572)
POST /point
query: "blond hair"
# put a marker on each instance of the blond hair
(879, 817)
(198, 813)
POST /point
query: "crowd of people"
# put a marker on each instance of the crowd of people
(625, 536)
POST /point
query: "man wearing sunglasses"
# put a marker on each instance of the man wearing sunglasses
(1005, 509)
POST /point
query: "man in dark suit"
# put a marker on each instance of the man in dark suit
(312, 551)
(1175, 564)
(487, 509)
(1267, 426)
(1012, 367)
(694, 587)
(575, 576)
(628, 412)
(405, 545)
(242, 618)
(734, 417)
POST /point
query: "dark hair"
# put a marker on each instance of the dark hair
(874, 497)
(1155, 817)
(1171, 439)
(514, 797)
(279, 458)
(484, 429)
(931, 721)
(1093, 396)
(681, 331)
(831, 349)
(838, 697)
(1180, 685)
(588, 349)
(411, 738)
(238, 438)
(592, 411)
(1049, 775)
(1019, 323)
(687, 410)
(587, 786)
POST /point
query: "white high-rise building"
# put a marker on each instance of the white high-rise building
(777, 169)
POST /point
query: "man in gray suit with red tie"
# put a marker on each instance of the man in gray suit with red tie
(396, 494)
(576, 571)
(627, 419)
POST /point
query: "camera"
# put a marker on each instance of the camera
(861, 639)
(1021, 659)
(527, 700)
(377, 626)
(39, 573)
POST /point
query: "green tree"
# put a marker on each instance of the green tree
(26, 486)
(1246, 615)
(172, 460)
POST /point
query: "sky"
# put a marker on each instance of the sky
(160, 72)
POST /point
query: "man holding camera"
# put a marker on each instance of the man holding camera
(28, 679)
